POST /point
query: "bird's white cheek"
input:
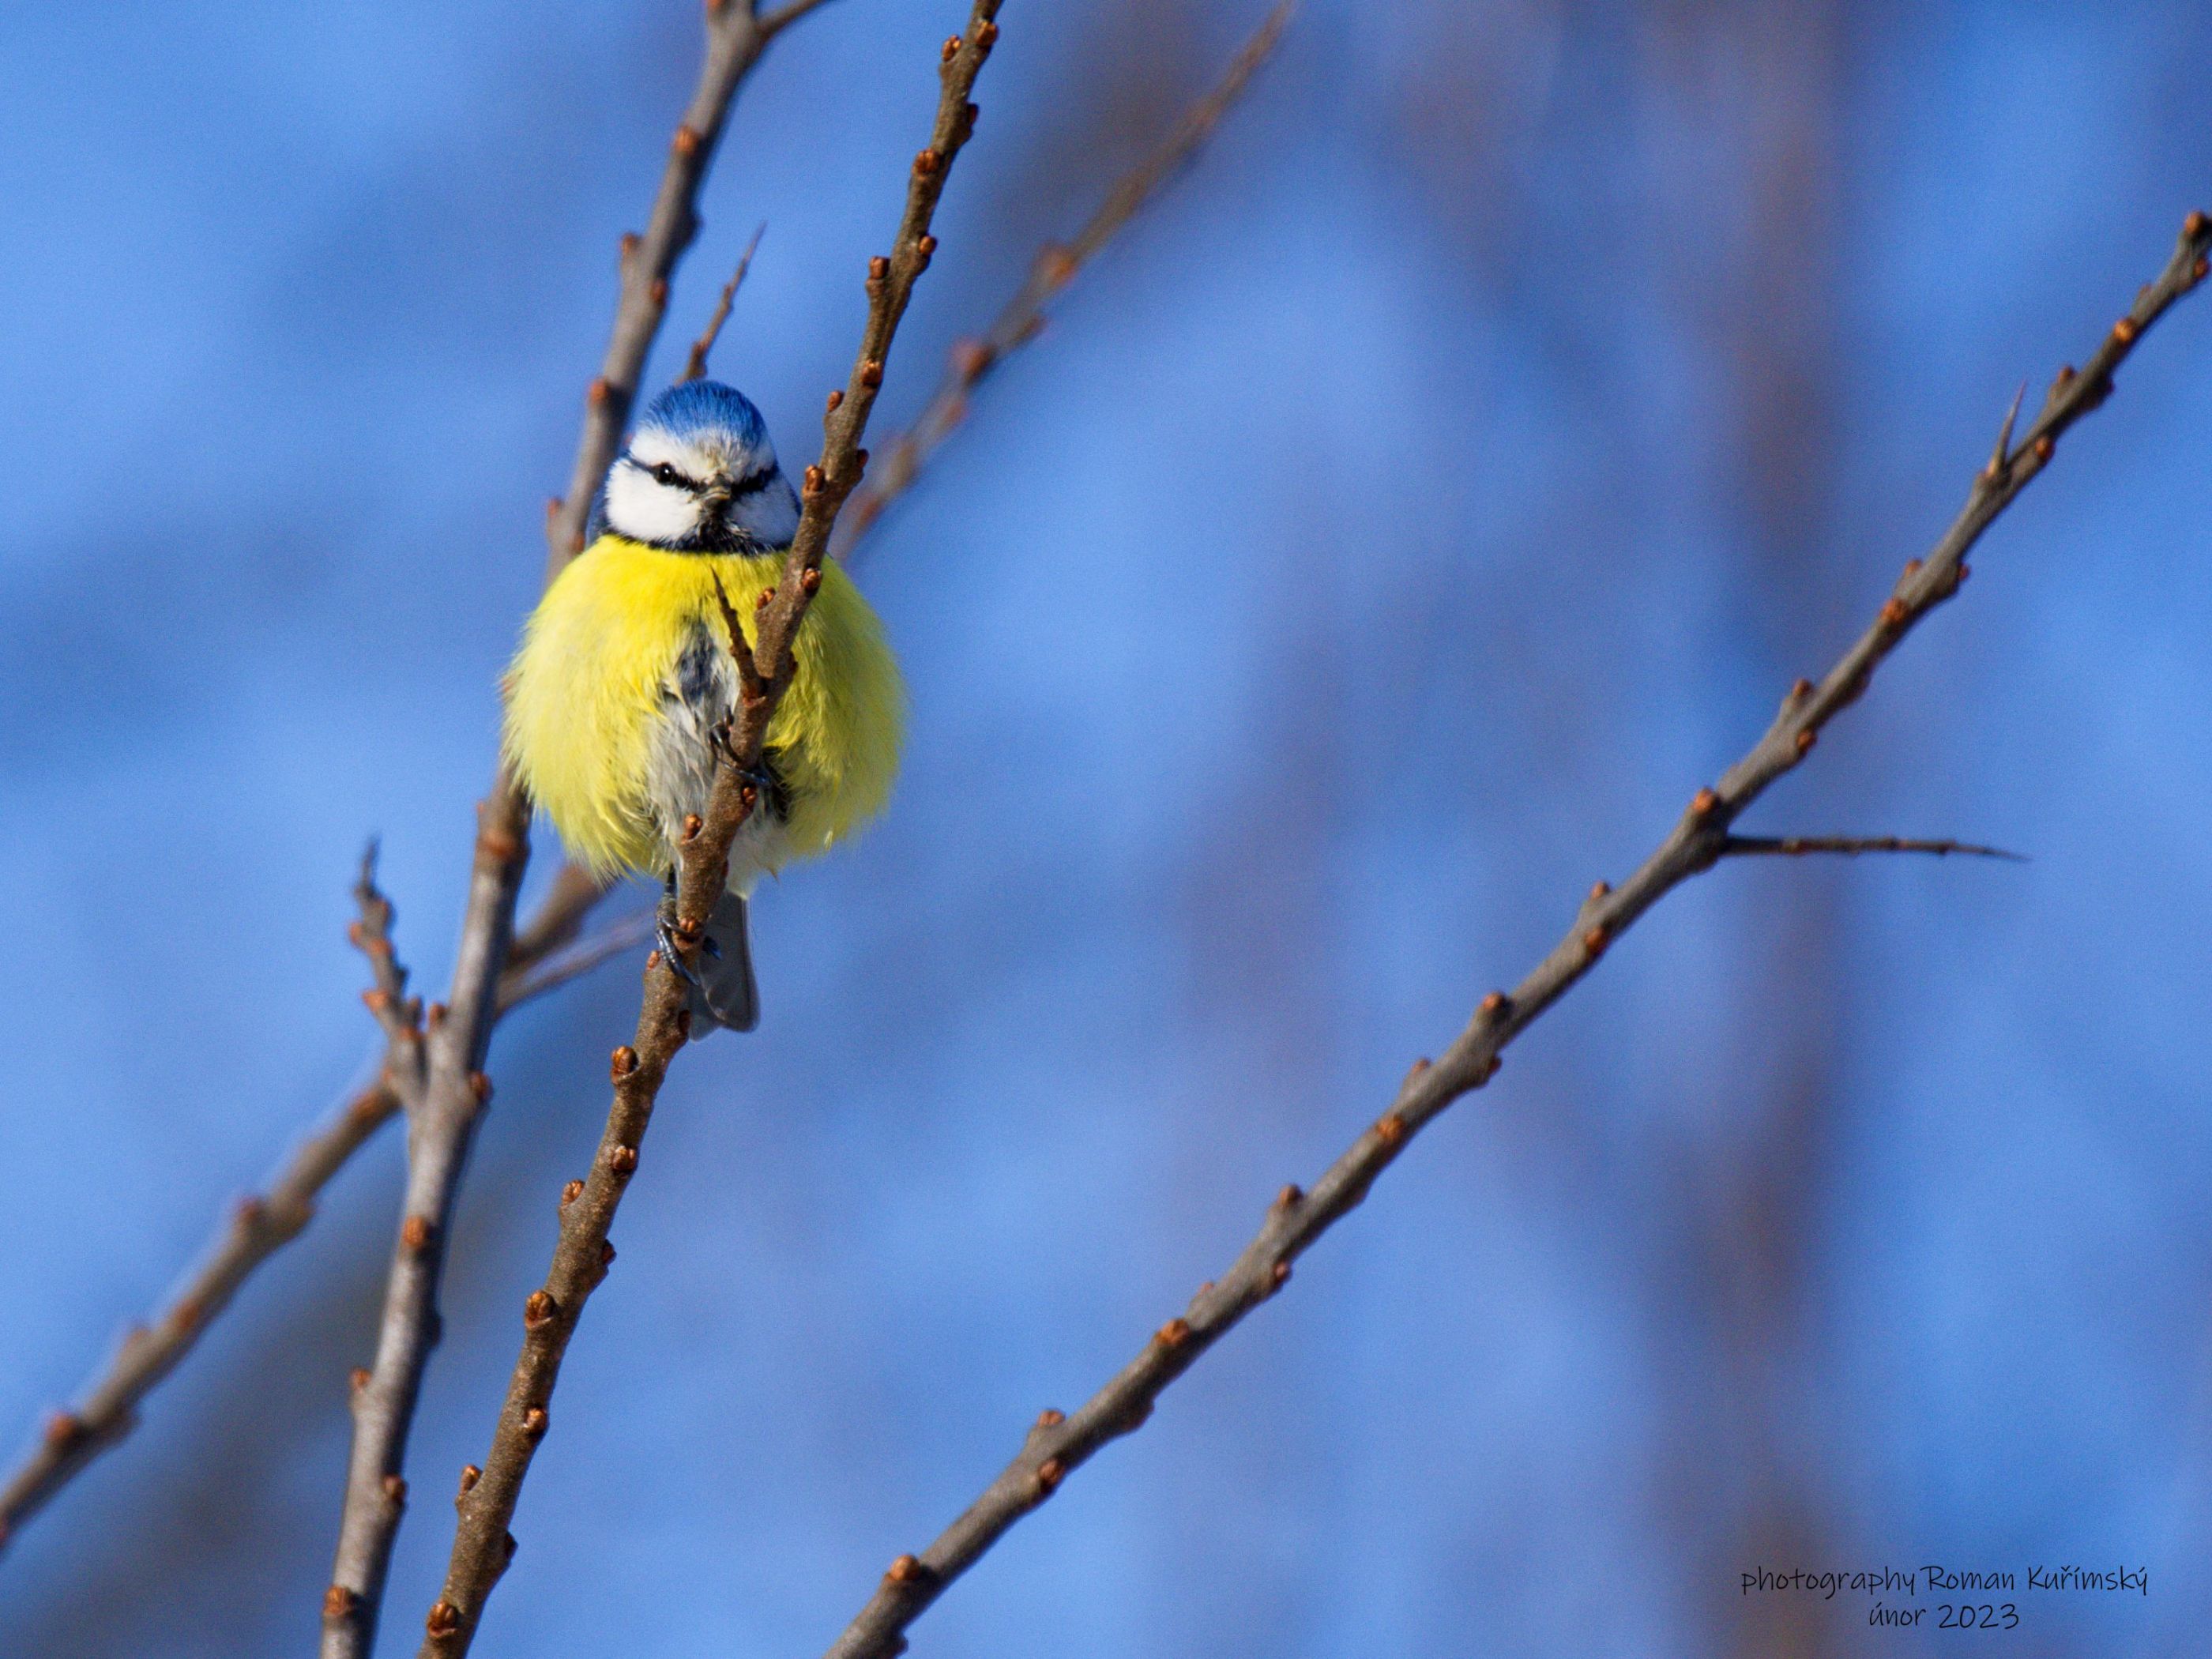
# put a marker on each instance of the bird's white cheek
(647, 511)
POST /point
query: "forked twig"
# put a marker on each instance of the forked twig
(1059, 1443)
(482, 1544)
(444, 1121)
(257, 1227)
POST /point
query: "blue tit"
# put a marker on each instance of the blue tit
(625, 672)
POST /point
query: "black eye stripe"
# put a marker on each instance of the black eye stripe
(661, 472)
(753, 482)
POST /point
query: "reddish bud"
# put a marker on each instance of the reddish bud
(951, 47)
(810, 582)
(445, 1620)
(357, 1378)
(686, 141)
(2044, 446)
(1174, 1334)
(1595, 942)
(395, 1489)
(1280, 1274)
(623, 1062)
(1703, 802)
(2195, 226)
(1049, 1474)
(1390, 1128)
(623, 1160)
(538, 1309)
(535, 1423)
(571, 1193)
(1893, 613)
(1806, 739)
(470, 1475)
(837, 397)
(1414, 1070)
(1289, 1197)
(1051, 1418)
(986, 37)
(414, 1233)
(598, 391)
(338, 1602)
(902, 1570)
(1496, 1004)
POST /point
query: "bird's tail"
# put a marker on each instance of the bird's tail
(725, 995)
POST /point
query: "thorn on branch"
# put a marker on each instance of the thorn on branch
(1851, 846)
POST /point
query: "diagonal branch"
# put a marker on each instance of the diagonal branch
(694, 365)
(482, 1546)
(1058, 1443)
(443, 1123)
(257, 1227)
(1022, 318)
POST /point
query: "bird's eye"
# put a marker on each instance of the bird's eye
(663, 473)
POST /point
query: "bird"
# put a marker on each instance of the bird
(624, 672)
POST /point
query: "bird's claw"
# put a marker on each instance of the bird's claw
(664, 932)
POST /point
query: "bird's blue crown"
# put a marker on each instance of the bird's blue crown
(693, 407)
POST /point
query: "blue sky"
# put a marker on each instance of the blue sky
(1386, 537)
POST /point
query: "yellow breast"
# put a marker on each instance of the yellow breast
(584, 696)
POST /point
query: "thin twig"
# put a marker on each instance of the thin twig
(737, 35)
(257, 1227)
(559, 918)
(694, 365)
(1736, 847)
(1056, 1445)
(482, 1546)
(438, 1073)
(617, 939)
(443, 1127)
(1022, 320)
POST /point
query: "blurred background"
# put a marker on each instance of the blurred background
(1390, 534)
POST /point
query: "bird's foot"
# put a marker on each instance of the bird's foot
(664, 934)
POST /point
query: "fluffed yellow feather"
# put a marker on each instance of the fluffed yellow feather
(585, 696)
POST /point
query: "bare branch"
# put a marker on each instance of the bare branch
(254, 1231)
(457, 1091)
(482, 1544)
(617, 939)
(1022, 320)
(560, 916)
(258, 1227)
(736, 37)
(443, 1111)
(1058, 1443)
(694, 365)
(1797, 845)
